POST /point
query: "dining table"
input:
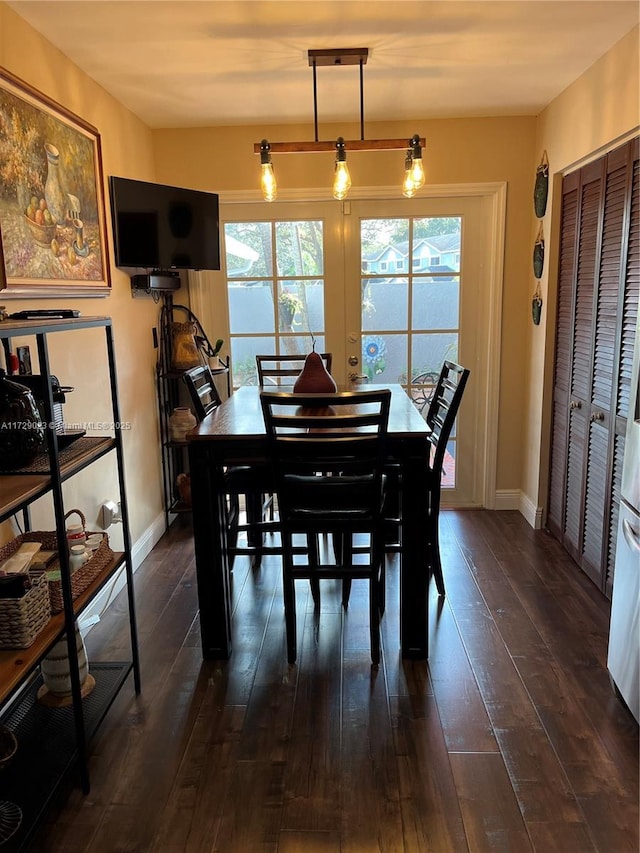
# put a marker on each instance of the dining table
(234, 434)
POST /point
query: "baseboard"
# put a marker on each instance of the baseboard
(140, 549)
(515, 499)
(507, 499)
(531, 512)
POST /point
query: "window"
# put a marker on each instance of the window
(275, 290)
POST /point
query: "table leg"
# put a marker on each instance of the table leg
(414, 579)
(210, 537)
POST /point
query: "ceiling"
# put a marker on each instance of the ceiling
(227, 62)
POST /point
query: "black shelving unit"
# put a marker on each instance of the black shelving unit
(52, 741)
(172, 392)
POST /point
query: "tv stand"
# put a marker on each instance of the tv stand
(156, 281)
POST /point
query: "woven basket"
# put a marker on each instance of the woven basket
(22, 619)
(83, 576)
(80, 579)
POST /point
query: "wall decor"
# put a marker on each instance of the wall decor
(52, 213)
(536, 306)
(541, 187)
(538, 253)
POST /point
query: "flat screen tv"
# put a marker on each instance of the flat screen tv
(160, 227)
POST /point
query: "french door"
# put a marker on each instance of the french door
(391, 288)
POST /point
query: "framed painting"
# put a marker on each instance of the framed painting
(52, 211)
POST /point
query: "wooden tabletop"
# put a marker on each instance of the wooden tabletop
(241, 416)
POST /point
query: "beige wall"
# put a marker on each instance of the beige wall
(458, 151)
(78, 358)
(592, 115)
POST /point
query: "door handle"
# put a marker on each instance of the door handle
(575, 404)
(633, 540)
(358, 377)
(597, 416)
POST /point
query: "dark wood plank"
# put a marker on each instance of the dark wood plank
(511, 738)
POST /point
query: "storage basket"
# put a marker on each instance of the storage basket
(83, 576)
(80, 579)
(22, 619)
(86, 574)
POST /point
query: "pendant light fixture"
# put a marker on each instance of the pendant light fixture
(341, 178)
(267, 177)
(414, 170)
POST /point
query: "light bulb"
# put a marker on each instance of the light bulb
(341, 177)
(417, 169)
(341, 180)
(408, 187)
(268, 183)
(417, 173)
(267, 176)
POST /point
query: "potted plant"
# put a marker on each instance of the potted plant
(289, 304)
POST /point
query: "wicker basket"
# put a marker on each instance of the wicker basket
(22, 619)
(83, 576)
(80, 579)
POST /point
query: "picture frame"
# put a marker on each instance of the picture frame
(52, 207)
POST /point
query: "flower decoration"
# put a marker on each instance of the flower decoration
(374, 350)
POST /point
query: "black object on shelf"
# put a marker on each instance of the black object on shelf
(45, 314)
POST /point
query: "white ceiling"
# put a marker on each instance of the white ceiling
(223, 62)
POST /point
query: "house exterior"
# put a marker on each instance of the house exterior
(434, 254)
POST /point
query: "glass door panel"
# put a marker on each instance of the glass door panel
(273, 313)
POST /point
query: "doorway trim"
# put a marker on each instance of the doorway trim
(495, 194)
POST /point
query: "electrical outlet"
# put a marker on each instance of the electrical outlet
(110, 514)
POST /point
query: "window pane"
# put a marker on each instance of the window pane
(250, 307)
(428, 352)
(436, 244)
(384, 304)
(243, 358)
(247, 247)
(299, 248)
(436, 303)
(301, 306)
(384, 245)
(384, 357)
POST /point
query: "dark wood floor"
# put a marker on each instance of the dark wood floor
(511, 739)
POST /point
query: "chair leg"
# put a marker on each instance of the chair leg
(232, 528)
(314, 558)
(382, 587)
(346, 540)
(374, 621)
(434, 543)
(289, 595)
(346, 592)
(254, 517)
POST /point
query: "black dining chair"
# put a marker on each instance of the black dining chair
(441, 414)
(328, 454)
(284, 369)
(253, 483)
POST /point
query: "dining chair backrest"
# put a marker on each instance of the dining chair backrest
(284, 369)
(328, 452)
(202, 390)
(443, 408)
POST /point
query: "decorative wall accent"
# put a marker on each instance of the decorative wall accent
(52, 215)
(541, 187)
(538, 253)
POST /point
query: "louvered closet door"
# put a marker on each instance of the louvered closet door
(597, 305)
